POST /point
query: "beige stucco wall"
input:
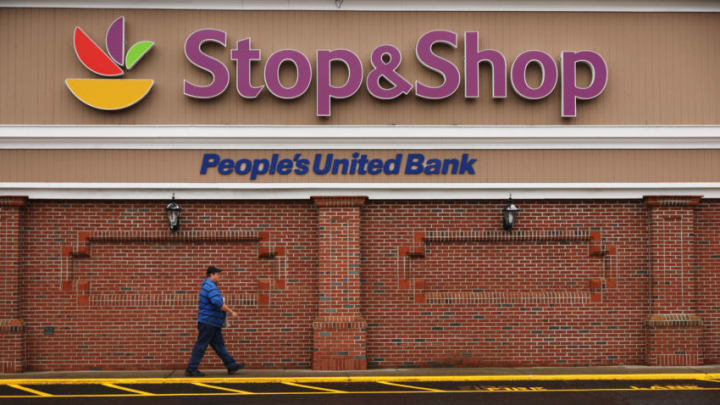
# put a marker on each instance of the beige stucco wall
(662, 66)
(492, 166)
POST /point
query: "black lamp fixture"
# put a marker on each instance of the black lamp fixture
(510, 213)
(173, 213)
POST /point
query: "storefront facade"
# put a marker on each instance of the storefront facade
(348, 165)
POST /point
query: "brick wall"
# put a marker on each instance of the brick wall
(132, 302)
(339, 329)
(673, 325)
(12, 350)
(105, 285)
(498, 302)
(708, 278)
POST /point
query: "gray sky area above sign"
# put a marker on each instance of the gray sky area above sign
(389, 5)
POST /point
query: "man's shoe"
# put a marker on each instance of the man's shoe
(235, 368)
(194, 373)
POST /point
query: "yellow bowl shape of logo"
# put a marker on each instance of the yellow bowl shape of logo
(109, 94)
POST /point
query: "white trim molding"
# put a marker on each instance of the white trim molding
(387, 5)
(376, 191)
(359, 137)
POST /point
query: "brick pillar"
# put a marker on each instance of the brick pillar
(339, 329)
(12, 336)
(674, 330)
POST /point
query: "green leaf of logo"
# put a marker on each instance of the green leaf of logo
(136, 52)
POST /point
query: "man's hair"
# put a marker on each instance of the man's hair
(212, 270)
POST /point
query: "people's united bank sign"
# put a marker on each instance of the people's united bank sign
(382, 81)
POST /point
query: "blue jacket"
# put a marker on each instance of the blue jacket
(210, 303)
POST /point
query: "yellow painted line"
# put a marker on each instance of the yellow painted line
(395, 378)
(128, 389)
(222, 388)
(30, 390)
(408, 386)
(367, 392)
(314, 388)
(620, 389)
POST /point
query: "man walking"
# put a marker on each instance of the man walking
(211, 317)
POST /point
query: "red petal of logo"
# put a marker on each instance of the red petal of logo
(93, 57)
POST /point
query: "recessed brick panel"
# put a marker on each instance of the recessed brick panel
(500, 299)
(137, 284)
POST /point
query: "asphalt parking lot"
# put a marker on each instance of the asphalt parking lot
(396, 390)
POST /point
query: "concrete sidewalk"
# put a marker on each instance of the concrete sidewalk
(374, 372)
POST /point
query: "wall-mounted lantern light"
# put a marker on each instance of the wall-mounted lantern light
(510, 213)
(173, 213)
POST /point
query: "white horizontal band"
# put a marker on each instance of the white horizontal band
(359, 137)
(387, 5)
(377, 191)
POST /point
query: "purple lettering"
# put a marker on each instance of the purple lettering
(384, 80)
(218, 70)
(519, 80)
(570, 92)
(303, 73)
(243, 56)
(473, 58)
(388, 71)
(449, 72)
(325, 90)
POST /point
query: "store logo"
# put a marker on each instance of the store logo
(109, 94)
(386, 60)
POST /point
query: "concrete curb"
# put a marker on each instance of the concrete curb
(412, 372)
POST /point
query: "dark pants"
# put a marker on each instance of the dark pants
(209, 335)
